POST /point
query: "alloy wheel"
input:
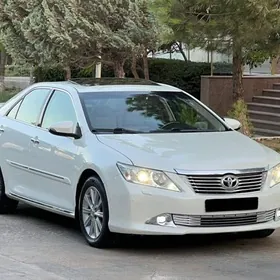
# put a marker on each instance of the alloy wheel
(93, 212)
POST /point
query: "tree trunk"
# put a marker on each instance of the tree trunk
(134, 67)
(212, 62)
(181, 49)
(98, 68)
(119, 69)
(31, 75)
(238, 90)
(2, 70)
(67, 73)
(146, 66)
(274, 64)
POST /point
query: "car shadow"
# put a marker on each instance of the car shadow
(146, 244)
(52, 219)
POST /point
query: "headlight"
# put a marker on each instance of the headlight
(274, 176)
(147, 177)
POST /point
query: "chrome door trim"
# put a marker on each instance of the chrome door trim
(18, 165)
(39, 172)
(42, 205)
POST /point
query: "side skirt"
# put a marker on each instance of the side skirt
(43, 206)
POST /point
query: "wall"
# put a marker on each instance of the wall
(195, 55)
(216, 91)
(17, 82)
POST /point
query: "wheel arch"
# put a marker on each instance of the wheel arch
(87, 173)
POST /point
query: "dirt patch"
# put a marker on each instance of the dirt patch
(273, 143)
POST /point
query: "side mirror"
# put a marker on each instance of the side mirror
(66, 129)
(234, 124)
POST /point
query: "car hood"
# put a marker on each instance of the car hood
(192, 151)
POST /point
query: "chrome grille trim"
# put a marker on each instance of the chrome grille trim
(211, 183)
(220, 172)
(224, 220)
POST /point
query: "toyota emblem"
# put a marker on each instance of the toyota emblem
(229, 182)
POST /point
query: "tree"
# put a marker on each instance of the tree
(2, 67)
(148, 38)
(131, 31)
(173, 47)
(229, 24)
(255, 57)
(71, 33)
(46, 32)
(271, 49)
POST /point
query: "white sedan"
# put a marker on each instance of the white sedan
(145, 159)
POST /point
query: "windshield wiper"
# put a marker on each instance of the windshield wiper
(117, 130)
(120, 130)
(173, 130)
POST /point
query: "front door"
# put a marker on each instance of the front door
(56, 160)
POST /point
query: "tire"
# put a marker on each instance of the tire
(7, 205)
(94, 228)
(257, 234)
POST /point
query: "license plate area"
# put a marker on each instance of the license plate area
(231, 204)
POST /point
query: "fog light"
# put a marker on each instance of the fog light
(277, 215)
(161, 220)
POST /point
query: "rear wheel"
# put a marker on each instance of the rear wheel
(93, 213)
(7, 205)
(257, 234)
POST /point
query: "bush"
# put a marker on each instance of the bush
(239, 112)
(7, 94)
(17, 71)
(178, 73)
(48, 74)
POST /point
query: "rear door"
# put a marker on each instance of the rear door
(16, 140)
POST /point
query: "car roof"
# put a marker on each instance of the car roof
(88, 85)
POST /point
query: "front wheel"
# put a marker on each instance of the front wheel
(257, 234)
(93, 213)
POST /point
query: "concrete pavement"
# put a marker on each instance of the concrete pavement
(42, 246)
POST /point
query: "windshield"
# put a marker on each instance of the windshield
(147, 112)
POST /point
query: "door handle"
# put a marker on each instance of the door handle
(2, 130)
(35, 141)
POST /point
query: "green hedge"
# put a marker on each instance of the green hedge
(184, 75)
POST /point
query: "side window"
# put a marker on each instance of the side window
(59, 109)
(32, 105)
(13, 113)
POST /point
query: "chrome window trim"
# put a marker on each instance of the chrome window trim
(41, 115)
(14, 105)
(21, 100)
(53, 90)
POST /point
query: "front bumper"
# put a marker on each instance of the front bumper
(132, 206)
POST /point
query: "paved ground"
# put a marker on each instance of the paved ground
(36, 245)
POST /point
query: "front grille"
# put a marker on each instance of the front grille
(212, 184)
(224, 220)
